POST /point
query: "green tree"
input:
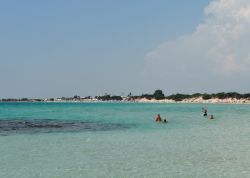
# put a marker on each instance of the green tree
(206, 96)
(179, 97)
(158, 94)
(221, 95)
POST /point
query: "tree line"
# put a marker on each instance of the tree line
(158, 95)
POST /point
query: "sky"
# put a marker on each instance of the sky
(92, 47)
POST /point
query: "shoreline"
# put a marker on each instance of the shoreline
(197, 100)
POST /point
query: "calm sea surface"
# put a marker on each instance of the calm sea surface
(64, 140)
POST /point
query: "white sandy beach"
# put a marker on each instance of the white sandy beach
(197, 100)
(145, 100)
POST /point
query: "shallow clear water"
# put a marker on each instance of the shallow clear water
(122, 140)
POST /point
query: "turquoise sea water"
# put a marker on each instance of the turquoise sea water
(122, 140)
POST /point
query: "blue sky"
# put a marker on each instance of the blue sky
(91, 47)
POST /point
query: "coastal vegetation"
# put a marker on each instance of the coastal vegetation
(157, 95)
(109, 98)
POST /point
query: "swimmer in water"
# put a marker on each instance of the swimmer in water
(158, 118)
(204, 110)
(165, 121)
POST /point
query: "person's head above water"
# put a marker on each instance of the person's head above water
(158, 118)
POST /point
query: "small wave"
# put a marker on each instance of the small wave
(8, 127)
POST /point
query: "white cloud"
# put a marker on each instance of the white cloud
(218, 49)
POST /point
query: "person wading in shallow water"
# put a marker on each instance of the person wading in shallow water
(204, 110)
(158, 118)
(211, 117)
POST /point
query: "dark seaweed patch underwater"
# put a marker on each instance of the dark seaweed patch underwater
(9, 127)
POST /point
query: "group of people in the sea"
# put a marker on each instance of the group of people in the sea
(204, 110)
(158, 119)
